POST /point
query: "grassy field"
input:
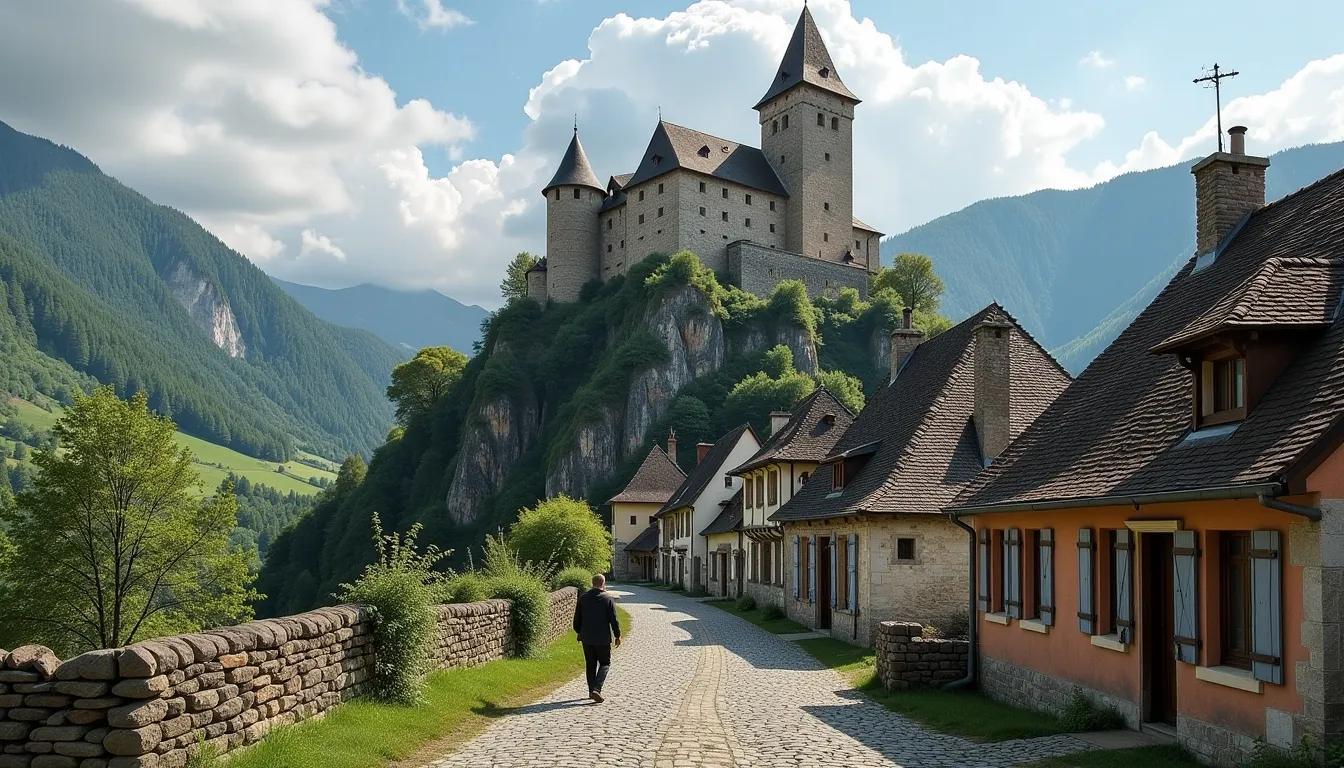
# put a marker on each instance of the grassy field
(460, 703)
(215, 462)
(777, 626)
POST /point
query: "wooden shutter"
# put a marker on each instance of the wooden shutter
(1087, 600)
(1124, 585)
(1184, 553)
(812, 569)
(852, 561)
(983, 568)
(1012, 572)
(835, 597)
(1266, 607)
(797, 574)
(1045, 566)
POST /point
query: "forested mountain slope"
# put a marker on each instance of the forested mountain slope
(98, 281)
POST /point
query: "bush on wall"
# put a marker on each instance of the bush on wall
(524, 582)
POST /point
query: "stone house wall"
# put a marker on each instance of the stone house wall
(147, 705)
(757, 270)
(906, 660)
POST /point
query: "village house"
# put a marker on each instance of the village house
(723, 543)
(696, 503)
(864, 538)
(634, 529)
(1169, 536)
(798, 441)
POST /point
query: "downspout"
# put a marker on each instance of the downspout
(972, 629)
(1311, 513)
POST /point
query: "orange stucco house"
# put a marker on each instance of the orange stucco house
(1168, 537)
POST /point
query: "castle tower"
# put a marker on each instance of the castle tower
(807, 118)
(573, 199)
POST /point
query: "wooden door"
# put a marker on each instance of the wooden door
(1158, 629)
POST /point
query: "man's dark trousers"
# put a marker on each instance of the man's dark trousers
(598, 660)
(596, 623)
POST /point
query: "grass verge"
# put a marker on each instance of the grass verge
(777, 626)
(460, 703)
(1165, 756)
(969, 715)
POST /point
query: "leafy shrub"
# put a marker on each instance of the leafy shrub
(772, 613)
(524, 583)
(398, 589)
(502, 561)
(1083, 714)
(563, 532)
(468, 587)
(1304, 755)
(746, 603)
(573, 576)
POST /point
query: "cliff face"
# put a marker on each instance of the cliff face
(210, 310)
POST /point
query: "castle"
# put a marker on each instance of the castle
(755, 216)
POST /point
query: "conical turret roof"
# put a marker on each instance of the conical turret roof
(574, 169)
(806, 60)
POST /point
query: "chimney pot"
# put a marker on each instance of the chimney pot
(903, 344)
(672, 444)
(905, 317)
(702, 450)
(777, 420)
(1237, 134)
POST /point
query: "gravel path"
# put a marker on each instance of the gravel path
(696, 686)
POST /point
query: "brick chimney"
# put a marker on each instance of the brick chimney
(702, 450)
(777, 420)
(1228, 185)
(903, 342)
(672, 444)
(992, 387)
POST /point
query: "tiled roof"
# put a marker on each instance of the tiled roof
(657, 478)
(708, 469)
(646, 541)
(806, 60)
(674, 146)
(619, 181)
(808, 435)
(540, 266)
(919, 429)
(730, 519)
(1120, 430)
(860, 225)
(574, 169)
(616, 191)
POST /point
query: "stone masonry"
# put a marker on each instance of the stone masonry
(148, 705)
(757, 269)
(906, 660)
(1029, 689)
(1227, 187)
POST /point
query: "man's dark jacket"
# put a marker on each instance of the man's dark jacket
(595, 618)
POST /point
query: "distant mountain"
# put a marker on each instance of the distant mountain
(409, 320)
(1076, 266)
(99, 283)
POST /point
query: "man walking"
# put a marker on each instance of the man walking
(595, 622)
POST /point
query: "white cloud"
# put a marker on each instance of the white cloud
(430, 14)
(1095, 60)
(254, 118)
(1135, 83)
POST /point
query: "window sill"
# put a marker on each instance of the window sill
(1231, 677)
(1032, 625)
(1110, 643)
(997, 618)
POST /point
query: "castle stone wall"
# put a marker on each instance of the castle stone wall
(616, 252)
(150, 704)
(655, 234)
(757, 269)
(571, 241)
(709, 236)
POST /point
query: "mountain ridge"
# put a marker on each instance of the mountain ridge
(407, 319)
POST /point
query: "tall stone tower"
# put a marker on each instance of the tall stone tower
(807, 118)
(573, 199)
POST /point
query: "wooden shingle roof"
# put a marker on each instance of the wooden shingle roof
(707, 470)
(657, 478)
(674, 146)
(816, 424)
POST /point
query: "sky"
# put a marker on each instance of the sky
(405, 142)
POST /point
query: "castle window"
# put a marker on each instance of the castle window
(857, 244)
(704, 151)
(824, 72)
(835, 123)
(660, 187)
(657, 159)
(748, 198)
(826, 206)
(828, 157)
(576, 193)
(702, 210)
(825, 237)
(725, 193)
(783, 74)
(774, 127)
(622, 245)
(641, 195)
(641, 218)
(557, 194)
(772, 227)
(608, 222)
(725, 215)
(660, 212)
(608, 247)
(748, 223)
(702, 186)
(772, 205)
(781, 159)
(821, 120)
(786, 122)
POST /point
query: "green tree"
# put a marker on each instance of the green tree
(778, 388)
(913, 279)
(847, 389)
(351, 475)
(112, 544)
(20, 452)
(418, 383)
(562, 532)
(514, 285)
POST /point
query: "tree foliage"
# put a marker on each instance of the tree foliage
(514, 285)
(562, 532)
(351, 475)
(111, 544)
(418, 383)
(912, 278)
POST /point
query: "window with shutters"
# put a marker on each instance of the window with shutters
(841, 566)
(1121, 585)
(760, 490)
(1087, 599)
(812, 569)
(797, 567)
(748, 498)
(852, 574)
(1012, 573)
(982, 570)
(1235, 598)
(772, 483)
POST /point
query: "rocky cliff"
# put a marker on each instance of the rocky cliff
(210, 310)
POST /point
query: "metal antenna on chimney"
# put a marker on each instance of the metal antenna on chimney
(1216, 78)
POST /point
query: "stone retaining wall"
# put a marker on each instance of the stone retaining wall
(906, 660)
(149, 704)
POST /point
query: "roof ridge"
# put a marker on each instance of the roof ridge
(1027, 335)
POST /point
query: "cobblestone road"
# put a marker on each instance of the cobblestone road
(695, 686)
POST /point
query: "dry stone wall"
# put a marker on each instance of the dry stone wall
(906, 660)
(150, 704)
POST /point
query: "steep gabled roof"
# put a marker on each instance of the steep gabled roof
(730, 519)
(657, 478)
(574, 169)
(806, 60)
(860, 225)
(809, 434)
(674, 146)
(1123, 430)
(540, 266)
(646, 541)
(918, 431)
(709, 468)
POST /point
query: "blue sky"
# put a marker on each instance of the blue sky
(335, 142)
